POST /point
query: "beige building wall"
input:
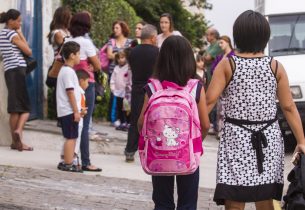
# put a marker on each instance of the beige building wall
(5, 137)
(48, 8)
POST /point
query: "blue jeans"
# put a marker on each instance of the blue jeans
(187, 188)
(84, 143)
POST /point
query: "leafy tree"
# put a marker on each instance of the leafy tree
(104, 13)
(191, 26)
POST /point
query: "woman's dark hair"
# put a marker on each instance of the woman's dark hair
(251, 32)
(124, 27)
(61, 20)
(176, 62)
(171, 22)
(11, 14)
(80, 24)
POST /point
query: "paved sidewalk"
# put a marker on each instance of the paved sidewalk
(26, 188)
(30, 180)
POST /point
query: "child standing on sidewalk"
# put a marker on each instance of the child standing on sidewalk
(119, 83)
(68, 95)
(176, 64)
(83, 78)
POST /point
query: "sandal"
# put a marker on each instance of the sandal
(86, 168)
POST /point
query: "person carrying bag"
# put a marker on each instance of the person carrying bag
(294, 199)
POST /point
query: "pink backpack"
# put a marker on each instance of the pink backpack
(170, 142)
(103, 55)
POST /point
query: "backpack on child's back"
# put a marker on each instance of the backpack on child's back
(170, 141)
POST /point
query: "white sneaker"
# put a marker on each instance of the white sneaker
(117, 123)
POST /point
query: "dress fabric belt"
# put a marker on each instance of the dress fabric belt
(258, 138)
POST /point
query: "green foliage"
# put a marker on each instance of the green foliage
(101, 109)
(191, 26)
(104, 13)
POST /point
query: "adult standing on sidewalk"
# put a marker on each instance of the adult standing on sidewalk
(58, 31)
(13, 47)
(167, 28)
(212, 36)
(213, 50)
(119, 41)
(226, 46)
(142, 60)
(79, 28)
(251, 152)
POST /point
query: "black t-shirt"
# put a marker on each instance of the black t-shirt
(142, 60)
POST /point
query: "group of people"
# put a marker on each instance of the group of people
(250, 160)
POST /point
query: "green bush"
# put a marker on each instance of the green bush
(104, 13)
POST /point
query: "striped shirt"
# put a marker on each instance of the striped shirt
(12, 55)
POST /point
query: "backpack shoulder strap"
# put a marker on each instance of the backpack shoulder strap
(154, 85)
(191, 87)
(112, 42)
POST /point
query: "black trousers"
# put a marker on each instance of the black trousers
(137, 100)
(119, 109)
(187, 188)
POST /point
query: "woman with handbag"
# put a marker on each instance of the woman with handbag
(12, 46)
(58, 31)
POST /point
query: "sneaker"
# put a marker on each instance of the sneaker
(120, 127)
(129, 156)
(116, 123)
(60, 165)
(69, 167)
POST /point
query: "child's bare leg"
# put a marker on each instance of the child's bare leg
(69, 151)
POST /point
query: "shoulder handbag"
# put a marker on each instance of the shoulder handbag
(31, 63)
(55, 68)
(57, 64)
(295, 197)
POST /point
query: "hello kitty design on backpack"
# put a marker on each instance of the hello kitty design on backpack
(170, 141)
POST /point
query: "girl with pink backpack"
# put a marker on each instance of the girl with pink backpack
(172, 124)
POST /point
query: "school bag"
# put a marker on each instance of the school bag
(294, 199)
(170, 141)
(103, 55)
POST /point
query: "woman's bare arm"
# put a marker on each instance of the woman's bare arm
(288, 106)
(220, 79)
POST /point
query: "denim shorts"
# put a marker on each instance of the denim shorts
(69, 127)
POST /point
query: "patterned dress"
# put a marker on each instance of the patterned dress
(251, 153)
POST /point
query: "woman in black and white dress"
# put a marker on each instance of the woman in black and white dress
(251, 152)
(12, 46)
